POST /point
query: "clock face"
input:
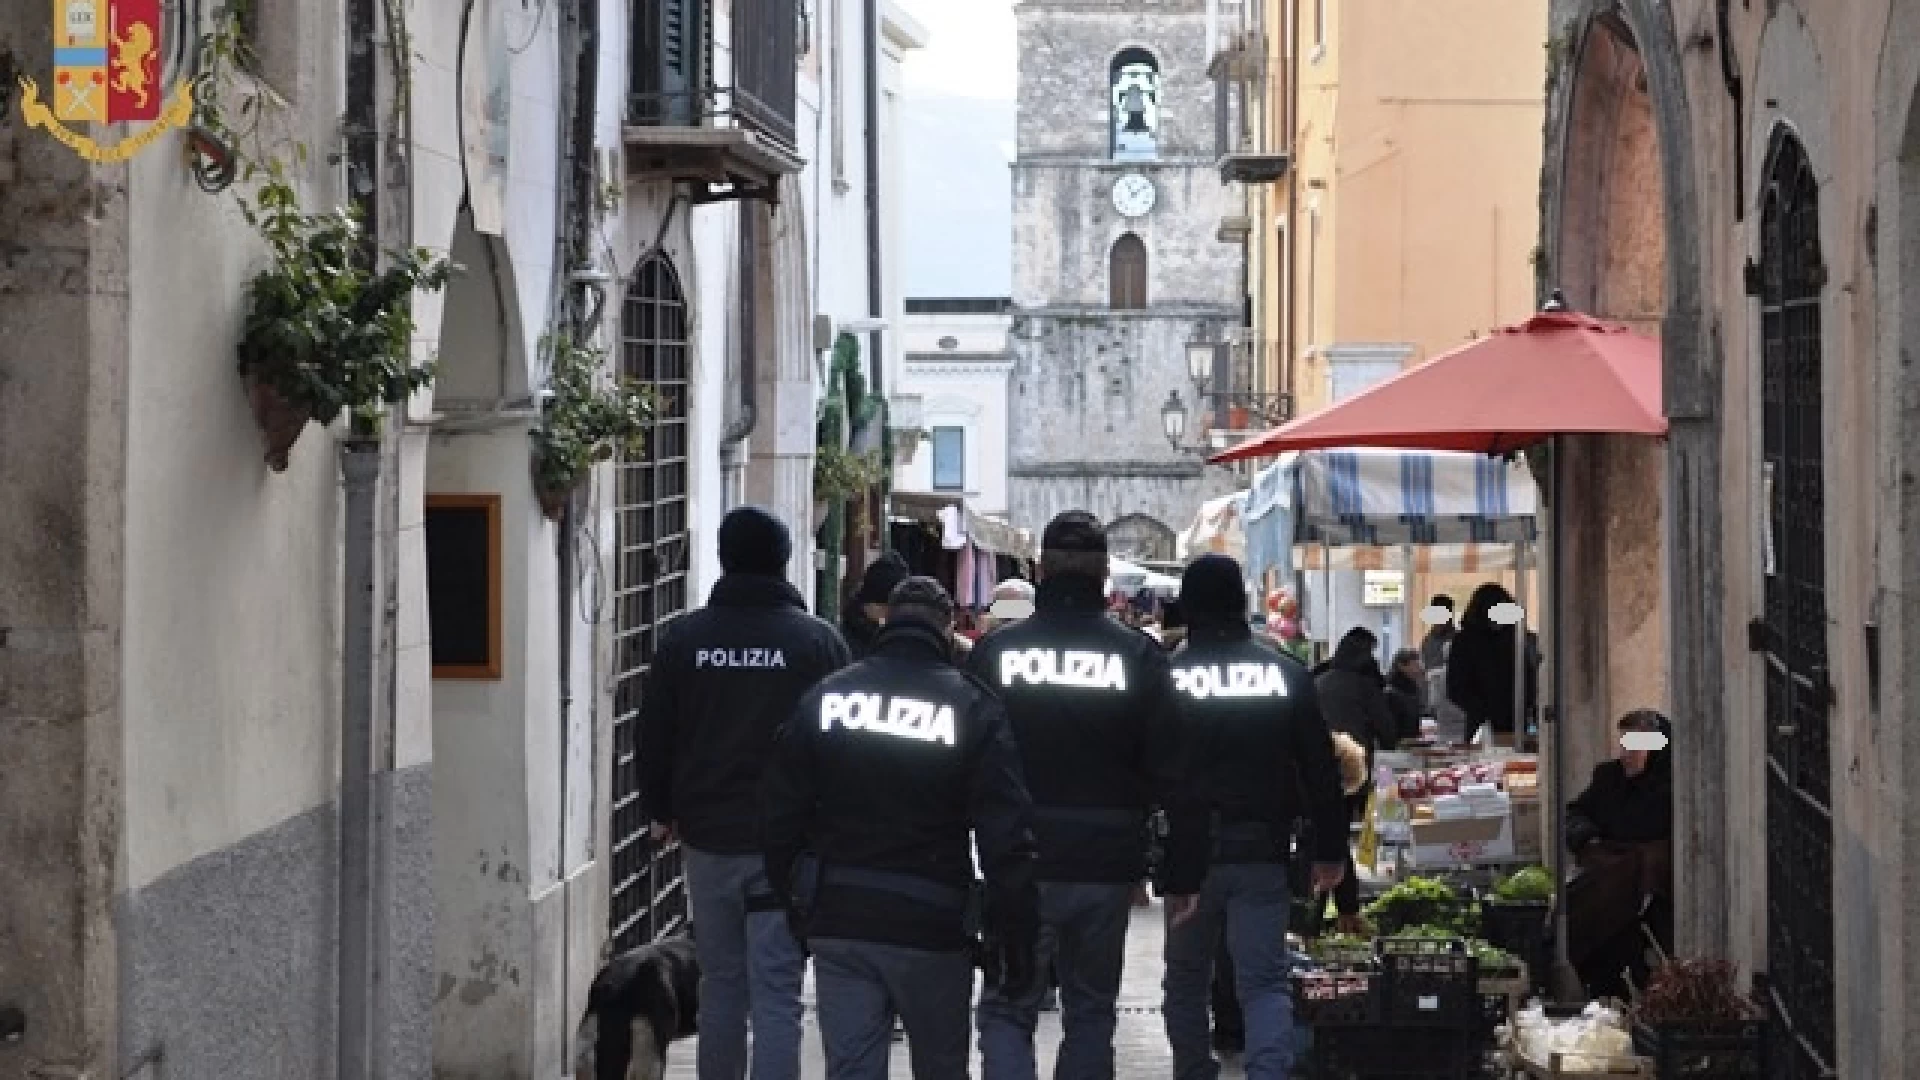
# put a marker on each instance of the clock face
(1133, 195)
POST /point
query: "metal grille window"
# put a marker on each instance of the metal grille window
(650, 582)
(1793, 634)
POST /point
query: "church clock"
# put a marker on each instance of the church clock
(1133, 195)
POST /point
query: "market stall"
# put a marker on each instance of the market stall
(966, 551)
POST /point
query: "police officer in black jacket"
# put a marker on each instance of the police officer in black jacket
(1092, 709)
(724, 680)
(1258, 758)
(882, 783)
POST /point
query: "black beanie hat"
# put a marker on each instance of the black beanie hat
(915, 599)
(753, 541)
(1075, 530)
(882, 575)
(1212, 589)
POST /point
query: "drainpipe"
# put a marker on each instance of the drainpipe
(582, 32)
(360, 470)
(876, 295)
(742, 425)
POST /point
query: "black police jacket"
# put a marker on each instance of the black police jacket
(882, 784)
(1092, 710)
(1258, 756)
(724, 679)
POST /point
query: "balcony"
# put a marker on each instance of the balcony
(1235, 400)
(683, 125)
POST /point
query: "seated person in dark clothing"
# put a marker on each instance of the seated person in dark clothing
(1620, 832)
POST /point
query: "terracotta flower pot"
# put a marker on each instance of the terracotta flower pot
(281, 422)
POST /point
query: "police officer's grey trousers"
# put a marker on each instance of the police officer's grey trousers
(749, 964)
(1248, 903)
(1083, 933)
(860, 985)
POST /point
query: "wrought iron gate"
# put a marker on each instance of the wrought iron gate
(650, 589)
(1793, 634)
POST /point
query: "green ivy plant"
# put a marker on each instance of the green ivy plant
(322, 332)
(587, 419)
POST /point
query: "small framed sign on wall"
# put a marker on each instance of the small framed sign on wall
(463, 585)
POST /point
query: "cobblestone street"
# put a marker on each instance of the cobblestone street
(1140, 1043)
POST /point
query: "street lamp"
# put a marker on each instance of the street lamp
(1173, 420)
(1200, 356)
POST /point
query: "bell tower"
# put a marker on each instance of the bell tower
(1117, 201)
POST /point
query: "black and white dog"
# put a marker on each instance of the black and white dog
(642, 1001)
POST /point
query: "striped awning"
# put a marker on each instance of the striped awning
(1422, 559)
(1389, 498)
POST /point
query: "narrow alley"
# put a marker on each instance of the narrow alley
(1140, 1044)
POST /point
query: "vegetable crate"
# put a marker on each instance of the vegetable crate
(1719, 1051)
(1376, 1053)
(1335, 999)
(1429, 983)
(1560, 1066)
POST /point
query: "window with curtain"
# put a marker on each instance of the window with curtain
(949, 459)
(1127, 271)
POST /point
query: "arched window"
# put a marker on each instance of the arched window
(1140, 538)
(1134, 97)
(652, 515)
(1800, 797)
(1127, 274)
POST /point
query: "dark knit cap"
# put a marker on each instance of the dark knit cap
(1075, 530)
(923, 597)
(752, 541)
(1212, 588)
(882, 575)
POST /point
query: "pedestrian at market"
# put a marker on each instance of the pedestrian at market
(1247, 713)
(724, 680)
(1353, 694)
(1480, 667)
(1092, 709)
(1439, 638)
(861, 621)
(1406, 694)
(881, 786)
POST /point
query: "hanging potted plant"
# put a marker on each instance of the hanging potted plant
(323, 334)
(838, 475)
(586, 420)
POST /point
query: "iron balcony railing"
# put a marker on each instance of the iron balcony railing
(673, 80)
(1243, 393)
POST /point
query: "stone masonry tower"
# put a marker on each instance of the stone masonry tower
(1116, 265)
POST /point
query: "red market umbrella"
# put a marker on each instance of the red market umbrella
(1558, 373)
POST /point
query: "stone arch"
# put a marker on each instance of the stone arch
(1694, 643)
(1140, 537)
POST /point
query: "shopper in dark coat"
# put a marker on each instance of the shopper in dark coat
(1480, 667)
(861, 621)
(1406, 683)
(1353, 696)
(1433, 647)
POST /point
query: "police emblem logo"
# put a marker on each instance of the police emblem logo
(106, 70)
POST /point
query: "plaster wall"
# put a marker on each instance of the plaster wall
(1802, 70)
(964, 386)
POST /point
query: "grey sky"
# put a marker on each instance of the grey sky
(959, 142)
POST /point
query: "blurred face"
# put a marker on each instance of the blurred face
(1633, 761)
(1411, 668)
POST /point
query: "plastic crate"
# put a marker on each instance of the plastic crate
(1377, 1053)
(1516, 928)
(1727, 1051)
(1335, 999)
(1429, 983)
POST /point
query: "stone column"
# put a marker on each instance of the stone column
(780, 470)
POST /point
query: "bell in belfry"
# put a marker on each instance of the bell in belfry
(1134, 104)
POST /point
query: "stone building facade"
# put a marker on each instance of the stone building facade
(1117, 265)
(1745, 178)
